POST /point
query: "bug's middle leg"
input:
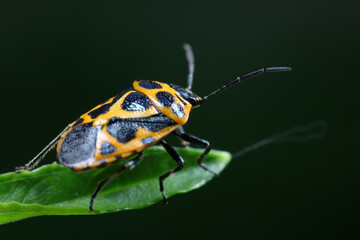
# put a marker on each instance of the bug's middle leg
(200, 142)
(129, 165)
(179, 160)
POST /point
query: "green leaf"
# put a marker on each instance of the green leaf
(55, 190)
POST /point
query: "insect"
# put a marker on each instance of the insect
(132, 121)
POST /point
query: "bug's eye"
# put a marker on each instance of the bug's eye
(195, 101)
(192, 102)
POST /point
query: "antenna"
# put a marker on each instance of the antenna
(190, 58)
(248, 75)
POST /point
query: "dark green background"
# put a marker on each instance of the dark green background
(59, 60)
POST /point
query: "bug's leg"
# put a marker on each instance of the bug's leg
(35, 161)
(200, 142)
(178, 159)
(182, 141)
(128, 165)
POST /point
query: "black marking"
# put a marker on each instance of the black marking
(181, 99)
(124, 130)
(178, 111)
(106, 107)
(78, 145)
(107, 148)
(99, 111)
(147, 140)
(78, 122)
(165, 98)
(156, 123)
(150, 85)
(136, 101)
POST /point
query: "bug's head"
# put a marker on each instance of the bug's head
(188, 95)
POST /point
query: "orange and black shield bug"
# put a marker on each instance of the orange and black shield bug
(132, 121)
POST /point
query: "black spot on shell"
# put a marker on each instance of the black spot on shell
(147, 140)
(156, 123)
(107, 148)
(101, 110)
(124, 129)
(106, 107)
(78, 145)
(178, 111)
(150, 85)
(165, 98)
(136, 101)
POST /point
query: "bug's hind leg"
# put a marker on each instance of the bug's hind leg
(179, 160)
(200, 142)
(128, 165)
(35, 161)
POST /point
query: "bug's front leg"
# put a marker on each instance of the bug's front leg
(200, 142)
(178, 159)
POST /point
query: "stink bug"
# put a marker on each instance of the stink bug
(132, 121)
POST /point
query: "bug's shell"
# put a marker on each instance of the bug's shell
(122, 126)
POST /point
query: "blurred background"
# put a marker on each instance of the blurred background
(58, 60)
